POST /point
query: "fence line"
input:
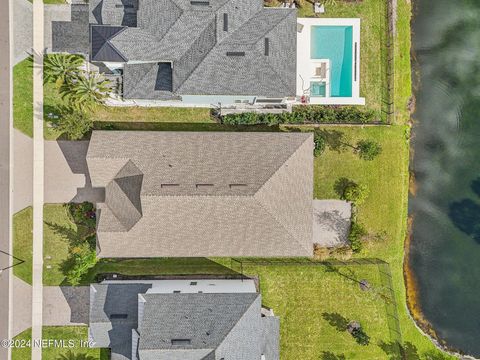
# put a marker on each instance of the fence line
(391, 306)
(390, 71)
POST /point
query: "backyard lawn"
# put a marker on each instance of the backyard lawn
(70, 335)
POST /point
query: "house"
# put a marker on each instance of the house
(195, 51)
(205, 320)
(187, 194)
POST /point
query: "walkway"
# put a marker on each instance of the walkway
(22, 171)
(38, 173)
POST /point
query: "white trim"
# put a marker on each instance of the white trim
(305, 64)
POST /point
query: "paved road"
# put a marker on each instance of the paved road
(5, 119)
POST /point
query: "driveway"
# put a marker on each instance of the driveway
(22, 170)
(62, 305)
(66, 173)
(22, 30)
(331, 222)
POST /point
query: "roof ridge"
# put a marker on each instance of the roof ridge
(268, 32)
(206, 55)
(268, 211)
(241, 317)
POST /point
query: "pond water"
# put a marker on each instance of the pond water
(445, 250)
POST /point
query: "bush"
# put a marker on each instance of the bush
(75, 124)
(83, 214)
(311, 114)
(368, 149)
(357, 233)
(320, 143)
(355, 193)
(84, 260)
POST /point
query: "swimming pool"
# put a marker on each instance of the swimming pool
(335, 42)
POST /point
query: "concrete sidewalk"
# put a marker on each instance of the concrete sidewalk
(22, 30)
(22, 171)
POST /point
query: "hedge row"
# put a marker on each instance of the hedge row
(312, 114)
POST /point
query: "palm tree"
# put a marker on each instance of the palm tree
(86, 90)
(70, 355)
(59, 67)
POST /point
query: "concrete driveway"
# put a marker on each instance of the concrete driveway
(66, 173)
(62, 305)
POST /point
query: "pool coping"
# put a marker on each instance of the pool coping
(304, 61)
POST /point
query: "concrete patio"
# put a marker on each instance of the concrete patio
(331, 222)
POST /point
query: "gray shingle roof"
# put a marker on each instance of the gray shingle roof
(217, 194)
(72, 36)
(217, 326)
(102, 47)
(148, 81)
(196, 39)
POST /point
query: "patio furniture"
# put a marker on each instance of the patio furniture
(300, 27)
(321, 71)
(319, 8)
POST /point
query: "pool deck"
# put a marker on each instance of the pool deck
(306, 65)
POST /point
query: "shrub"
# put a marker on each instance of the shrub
(356, 236)
(75, 124)
(320, 143)
(368, 149)
(311, 114)
(355, 193)
(83, 261)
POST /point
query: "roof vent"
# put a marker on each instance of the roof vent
(235, 53)
(225, 22)
(126, 6)
(267, 46)
(168, 185)
(237, 186)
(199, 2)
(203, 186)
(181, 341)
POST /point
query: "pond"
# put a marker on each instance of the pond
(445, 249)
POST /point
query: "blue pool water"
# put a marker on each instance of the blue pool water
(335, 43)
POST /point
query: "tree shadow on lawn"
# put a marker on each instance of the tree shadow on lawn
(327, 355)
(336, 320)
(396, 351)
(178, 126)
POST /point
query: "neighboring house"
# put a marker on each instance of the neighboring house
(197, 51)
(205, 320)
(203, 193)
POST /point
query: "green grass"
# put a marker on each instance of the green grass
(403, 76)
(385, 209)
(71, 335)
(302, 296)
(22, 246)
(23, 97)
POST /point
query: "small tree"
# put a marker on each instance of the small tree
(368, 149)
(319, 141)
(356, 236)
(59, 67)
(355, 193)
(85, 90)
(74, 123)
